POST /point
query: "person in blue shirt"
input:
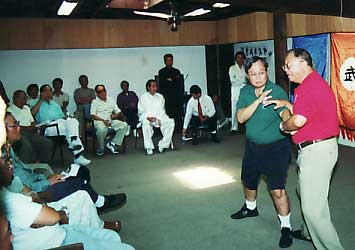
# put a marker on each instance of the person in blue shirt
(46, 111)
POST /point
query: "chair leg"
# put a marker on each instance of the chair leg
(171, 144)
(54, 150)
(135, 138)
(61, 153)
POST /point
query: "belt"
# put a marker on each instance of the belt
(307, 143)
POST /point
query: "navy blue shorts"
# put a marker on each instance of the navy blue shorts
(271, 160)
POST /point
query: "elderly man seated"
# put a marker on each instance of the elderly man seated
(151, 108)
(105, 114)
(36, 226)
(55, 187)
(31, 146)
(49, 112)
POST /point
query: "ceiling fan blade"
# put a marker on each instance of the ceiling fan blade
(152, 14)
(198, 12)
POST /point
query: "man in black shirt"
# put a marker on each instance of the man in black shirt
(171, 86)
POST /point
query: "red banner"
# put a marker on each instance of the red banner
(343, 81)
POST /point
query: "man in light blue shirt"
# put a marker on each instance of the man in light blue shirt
(46, 111)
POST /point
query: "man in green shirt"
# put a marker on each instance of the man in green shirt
(267, 150)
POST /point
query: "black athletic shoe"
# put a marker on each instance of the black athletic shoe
(244, 212)
(286, 237)
(112, 202)
(299, 236)
(215, 138)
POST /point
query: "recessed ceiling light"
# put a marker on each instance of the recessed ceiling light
(220, 5)
(66, 8)
(198, 12)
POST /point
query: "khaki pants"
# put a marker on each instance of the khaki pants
(101, 132)
(316, 163)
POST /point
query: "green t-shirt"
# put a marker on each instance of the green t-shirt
(263, 126)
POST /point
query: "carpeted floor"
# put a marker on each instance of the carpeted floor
(163, 213)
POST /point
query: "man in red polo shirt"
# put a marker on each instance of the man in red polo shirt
(314, 127)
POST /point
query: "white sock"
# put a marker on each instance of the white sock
(285, 220)
(100, 201)
(250, 204)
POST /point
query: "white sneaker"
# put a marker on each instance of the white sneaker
(81, 160)
(149, 151)
(113, 147)
(161, 149)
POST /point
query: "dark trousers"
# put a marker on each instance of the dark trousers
(72, 184)
(210, 122)
(33, 147)
(176, 113)
(131, 115)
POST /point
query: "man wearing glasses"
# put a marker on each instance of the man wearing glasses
(48, 112)
(105, 114)
(314, 127)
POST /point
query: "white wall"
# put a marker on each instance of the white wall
(107, 66)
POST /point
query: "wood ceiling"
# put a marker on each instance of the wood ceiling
(123, 9)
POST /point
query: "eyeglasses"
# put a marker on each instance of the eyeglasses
(101, 90)
(15, 125)
(289, 66)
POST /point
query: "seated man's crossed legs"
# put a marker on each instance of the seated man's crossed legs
(167, 129)
(120, 128)
(69, 128)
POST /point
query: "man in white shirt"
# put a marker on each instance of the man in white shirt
(105, 114)
(32, 146)
(237, 76)
(151, 109)
(200, 110)
(61, 98)
(35, 226)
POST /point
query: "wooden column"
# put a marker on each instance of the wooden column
(280, 48)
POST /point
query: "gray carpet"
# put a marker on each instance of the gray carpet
(163, 214)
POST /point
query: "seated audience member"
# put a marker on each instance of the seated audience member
(6, 236)
(105, 114)
(61, 98)
(32, 146)
(200, 110)
(32, 94)
(151, 108)
(83, 97)
(48, 111)
(3, 94)
(221, 118)
(55, 187)
(36, 226)
(127, 101)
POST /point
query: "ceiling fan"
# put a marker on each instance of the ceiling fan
(174, 18)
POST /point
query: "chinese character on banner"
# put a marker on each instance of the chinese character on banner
(343, 81)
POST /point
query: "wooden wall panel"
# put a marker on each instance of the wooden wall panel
(92, 33)
(56, 33)
(298, 25)
(251, 27)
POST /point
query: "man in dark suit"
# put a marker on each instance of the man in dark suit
(171, 86)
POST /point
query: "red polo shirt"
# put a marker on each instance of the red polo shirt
(315, 100)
